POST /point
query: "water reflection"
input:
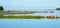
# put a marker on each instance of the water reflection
(29, 23)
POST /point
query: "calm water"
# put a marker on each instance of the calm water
(29, 23)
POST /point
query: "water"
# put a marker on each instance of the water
(29, 23)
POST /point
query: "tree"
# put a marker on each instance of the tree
(1, 8)
(58, 9)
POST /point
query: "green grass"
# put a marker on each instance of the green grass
(37, 17)
(28, 17)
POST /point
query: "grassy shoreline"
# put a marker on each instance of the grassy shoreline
(36, 17)
(21, 16)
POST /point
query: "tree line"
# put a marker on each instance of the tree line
(2, 9)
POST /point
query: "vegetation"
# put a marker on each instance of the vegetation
(2, 12)
(22, 17)
(58, 9)
(52, 17)
(29, 17)
(1, 8)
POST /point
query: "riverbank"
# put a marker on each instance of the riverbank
(29, 17)
(21, 16)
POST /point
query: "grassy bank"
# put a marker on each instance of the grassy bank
(22, 17)
(30, 17)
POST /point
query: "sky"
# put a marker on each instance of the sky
(29, 4)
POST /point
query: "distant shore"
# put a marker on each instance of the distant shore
(25, 12)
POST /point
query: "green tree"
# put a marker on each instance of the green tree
(58, 9)
(1, 8)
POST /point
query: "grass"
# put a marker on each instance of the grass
(29, 17)
(36, 17)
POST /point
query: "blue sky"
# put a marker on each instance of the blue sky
(29, 4)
